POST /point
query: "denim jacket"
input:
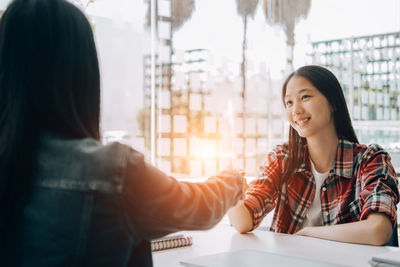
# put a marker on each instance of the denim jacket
(100, 205)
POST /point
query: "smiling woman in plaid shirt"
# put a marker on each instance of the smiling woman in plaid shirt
(322, 183)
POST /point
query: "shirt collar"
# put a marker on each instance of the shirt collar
(343, 165)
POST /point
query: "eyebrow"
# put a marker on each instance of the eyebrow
(301, 91)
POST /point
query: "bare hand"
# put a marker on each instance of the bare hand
(233, 175)
(245, 185)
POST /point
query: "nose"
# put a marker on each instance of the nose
(297, 108)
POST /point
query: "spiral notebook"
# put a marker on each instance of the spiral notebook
(171, 241)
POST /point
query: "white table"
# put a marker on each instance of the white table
(223, 238)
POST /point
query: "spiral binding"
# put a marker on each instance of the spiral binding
(157, 245)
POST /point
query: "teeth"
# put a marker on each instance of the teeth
(302, 121)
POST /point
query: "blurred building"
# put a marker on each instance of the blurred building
(200, 125)
(368, 68)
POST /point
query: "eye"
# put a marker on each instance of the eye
(288, 103)
(305, 97)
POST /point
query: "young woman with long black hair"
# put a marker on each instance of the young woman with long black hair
(66, 199)
(322, 183)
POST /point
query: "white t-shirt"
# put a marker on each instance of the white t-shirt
(314, 214)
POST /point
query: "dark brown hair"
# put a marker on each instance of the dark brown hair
(49, 82)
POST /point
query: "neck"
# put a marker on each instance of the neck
(322, 150)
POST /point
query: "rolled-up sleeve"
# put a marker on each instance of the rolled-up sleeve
(156, 204)
(379, 189)
(262, 193)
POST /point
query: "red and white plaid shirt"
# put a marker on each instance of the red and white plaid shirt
(361, 181)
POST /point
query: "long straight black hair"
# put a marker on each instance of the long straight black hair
(326, 82)
(49, 82)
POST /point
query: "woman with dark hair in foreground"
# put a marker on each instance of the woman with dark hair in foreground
(66, 199)
(322, 183)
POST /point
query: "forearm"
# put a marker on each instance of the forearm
(157, 204)
(241, 218)
(375, 230)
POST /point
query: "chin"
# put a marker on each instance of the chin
(303, 134)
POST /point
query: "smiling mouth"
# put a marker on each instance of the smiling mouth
(302, 121)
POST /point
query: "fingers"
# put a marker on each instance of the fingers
(237, 173)
(244, 182)
(240, 171)
(245, 185)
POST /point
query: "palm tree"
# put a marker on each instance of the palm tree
(245, 8)
(83, 3)
(286, 13)
(181, 11)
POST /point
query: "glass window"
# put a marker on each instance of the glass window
(199, 90)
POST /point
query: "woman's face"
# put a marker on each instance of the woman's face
(307, 109)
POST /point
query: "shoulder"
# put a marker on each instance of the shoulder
(98, 154)
(118, 155)
(372, 158)
(366, 152)
(279, 153)
(82, 164)
(361, 151)
(88, 153)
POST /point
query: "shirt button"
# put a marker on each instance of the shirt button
(324, 188)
